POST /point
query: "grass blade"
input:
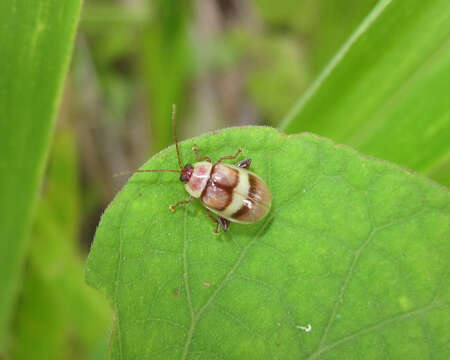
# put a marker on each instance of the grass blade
(385, 91)
(36, 40)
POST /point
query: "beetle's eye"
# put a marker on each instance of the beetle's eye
(188, 166)
(183, 178)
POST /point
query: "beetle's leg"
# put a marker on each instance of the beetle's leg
(230, 156)
(217, 231)
(245, 164)
(220, 222)
(181, 202)
(200, 158)
(224, 223)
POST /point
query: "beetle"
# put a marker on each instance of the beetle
(232, 192)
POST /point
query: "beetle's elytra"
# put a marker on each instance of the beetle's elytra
(233, 193)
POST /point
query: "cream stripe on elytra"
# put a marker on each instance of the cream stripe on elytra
(240, 193)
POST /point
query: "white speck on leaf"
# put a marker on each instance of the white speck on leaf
(307, 328)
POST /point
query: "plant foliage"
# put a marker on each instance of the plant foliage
(36, 40)
(353, 259)
(386, 91)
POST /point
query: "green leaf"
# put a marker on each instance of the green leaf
(386, 91)
(355, 247)
(58, 315)
(36, 40)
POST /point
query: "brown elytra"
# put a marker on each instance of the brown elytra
(233, 193)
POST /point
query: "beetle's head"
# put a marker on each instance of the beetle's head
(186, 173)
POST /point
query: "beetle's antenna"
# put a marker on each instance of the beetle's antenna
(155, 170)
(180, 162)
(174, 125)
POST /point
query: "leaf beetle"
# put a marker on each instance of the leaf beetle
(232, 192)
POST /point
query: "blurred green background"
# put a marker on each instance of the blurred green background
(224, 63)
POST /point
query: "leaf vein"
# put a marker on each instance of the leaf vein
(186, 287)
(376, 326)
(350, 272)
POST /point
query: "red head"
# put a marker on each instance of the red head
(186, 173)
